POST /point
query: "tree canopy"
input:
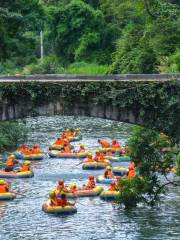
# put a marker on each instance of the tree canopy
(130, 36)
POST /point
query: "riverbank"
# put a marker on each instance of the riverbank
(11, 134)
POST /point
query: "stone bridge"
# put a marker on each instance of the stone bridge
(149, 100)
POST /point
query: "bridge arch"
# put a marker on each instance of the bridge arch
(153, 104)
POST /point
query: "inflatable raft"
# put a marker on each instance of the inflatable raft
(109, 195)
(119, 171)
(86, 193)
(58, 210)
(58, 154)
(27, 174)
(102, 179)
(95, 165)
(7, 196)
(59, 147)
(31, 157)
(104, 150)
(118, 158)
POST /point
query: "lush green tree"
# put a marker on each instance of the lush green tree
(20, 24)
(78, 31)
(155, 156)
(154, 36)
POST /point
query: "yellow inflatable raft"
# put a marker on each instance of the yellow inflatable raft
(86, 193)
(58, 154)
(109, 195)
(95, 165)
(58, 210)
(120, 171)
(59, 147)
(38, 156)
(27, 174)
(7, 196)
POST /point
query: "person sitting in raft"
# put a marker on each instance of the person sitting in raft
(62, 201)
(24, 150)
(115, 145)
(75, 133)
(108, 173)
(60, 189)
(4, 187)
(91, 183)
(30, 151)
(53, 199)
(73, 188)
(109, 152)
(104, 143)
(101, 156)
(89, 158)
(25, 166)
(36, 149)
(67, 134)
(81, 149)
(66, 149)
(113, 187)
(97, 156)
(59, 141)
(10, 164)
(131, 170)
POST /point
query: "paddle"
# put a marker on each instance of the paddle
(76, 165)
(17, 193)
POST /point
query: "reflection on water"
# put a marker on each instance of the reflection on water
(96, 219)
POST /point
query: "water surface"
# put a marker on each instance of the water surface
(96, 219)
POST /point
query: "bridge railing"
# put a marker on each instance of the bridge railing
(86, 78)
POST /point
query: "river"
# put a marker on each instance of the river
(23, 218)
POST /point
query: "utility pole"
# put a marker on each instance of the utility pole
(42, 45)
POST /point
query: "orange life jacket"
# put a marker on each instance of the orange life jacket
(97, 158)
(101, 157)
(3, 188)
(104, 143)
(131, 173)
(36, 151)
(132, 166)
(59, 142)
(112, 188)
(25, 168)
(67, 149)
(67, 134)
(25, 151)
(116, 146)
(10, 163)
(89, 159)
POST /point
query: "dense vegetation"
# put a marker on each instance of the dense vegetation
(118, 36)
(156, 156)
(11, 134)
